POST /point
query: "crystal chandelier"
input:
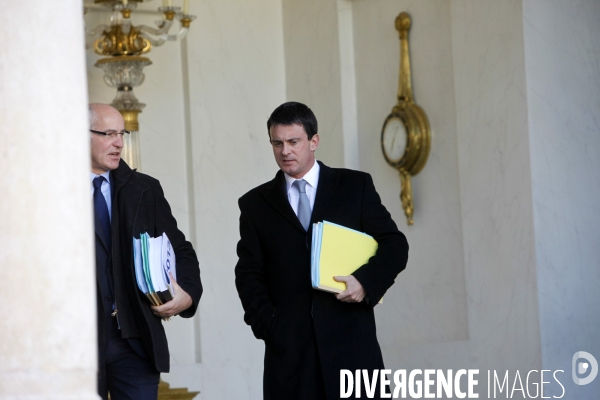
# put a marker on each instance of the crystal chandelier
(123, 45)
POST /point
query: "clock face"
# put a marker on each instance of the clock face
(394, 139)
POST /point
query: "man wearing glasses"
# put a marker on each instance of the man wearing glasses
(132, 345)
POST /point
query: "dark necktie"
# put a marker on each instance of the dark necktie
(303, 204)
(101, 209)
(104, 271)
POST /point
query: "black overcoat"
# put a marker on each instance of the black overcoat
(309, 332)
(139, 205)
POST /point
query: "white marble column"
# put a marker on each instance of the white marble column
(47, 289)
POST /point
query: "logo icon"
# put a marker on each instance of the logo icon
(583, 367)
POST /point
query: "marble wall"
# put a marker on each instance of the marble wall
(471, 295)
(236, 79)
(312, 71)
(428, 304)
(502, 208)
(562, 59)
(495, 184)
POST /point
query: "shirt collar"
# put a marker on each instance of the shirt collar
(311, 177)
(106, 176)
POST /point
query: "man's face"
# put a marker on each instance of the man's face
(294, 153)
(106, 151)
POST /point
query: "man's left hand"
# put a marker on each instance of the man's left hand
(354, 292)
(181, 301)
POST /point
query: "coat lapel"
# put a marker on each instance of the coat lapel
(328, 180)
(119, 177)
(275, 194)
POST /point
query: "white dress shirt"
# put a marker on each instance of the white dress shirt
(312, 180)
(105, 189)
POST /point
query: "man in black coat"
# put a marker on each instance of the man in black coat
(132, 345)
(310, 335)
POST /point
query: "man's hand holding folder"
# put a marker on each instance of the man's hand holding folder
(181, 301)
(354, 292)
(156, 276)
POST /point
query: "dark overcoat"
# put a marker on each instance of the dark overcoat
(139, 205)
(308, 332)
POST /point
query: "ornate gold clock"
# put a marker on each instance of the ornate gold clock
(406, 136)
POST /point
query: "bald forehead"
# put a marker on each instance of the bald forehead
(104, 116)
(103, 110)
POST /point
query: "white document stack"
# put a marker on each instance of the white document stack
(154, 259)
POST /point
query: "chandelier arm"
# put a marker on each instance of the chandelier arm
(154, 41)
(160, 39)
(179, 35)
(166, 25)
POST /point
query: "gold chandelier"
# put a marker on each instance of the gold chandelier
(123, 45)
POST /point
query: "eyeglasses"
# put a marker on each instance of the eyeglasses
(112, 134)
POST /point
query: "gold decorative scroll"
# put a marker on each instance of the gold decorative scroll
(117, 42)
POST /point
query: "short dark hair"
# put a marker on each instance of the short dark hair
(294, 113)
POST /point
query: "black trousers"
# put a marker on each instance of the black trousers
(127, 373)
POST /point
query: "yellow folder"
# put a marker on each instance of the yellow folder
(337, 251)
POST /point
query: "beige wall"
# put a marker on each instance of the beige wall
(495, 185)
(236, 80)
(486, 258)
(562, 61)
(428, 304)
(312, 72)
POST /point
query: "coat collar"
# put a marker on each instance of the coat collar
(275, 194)
(119, 177)
(328, 180)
